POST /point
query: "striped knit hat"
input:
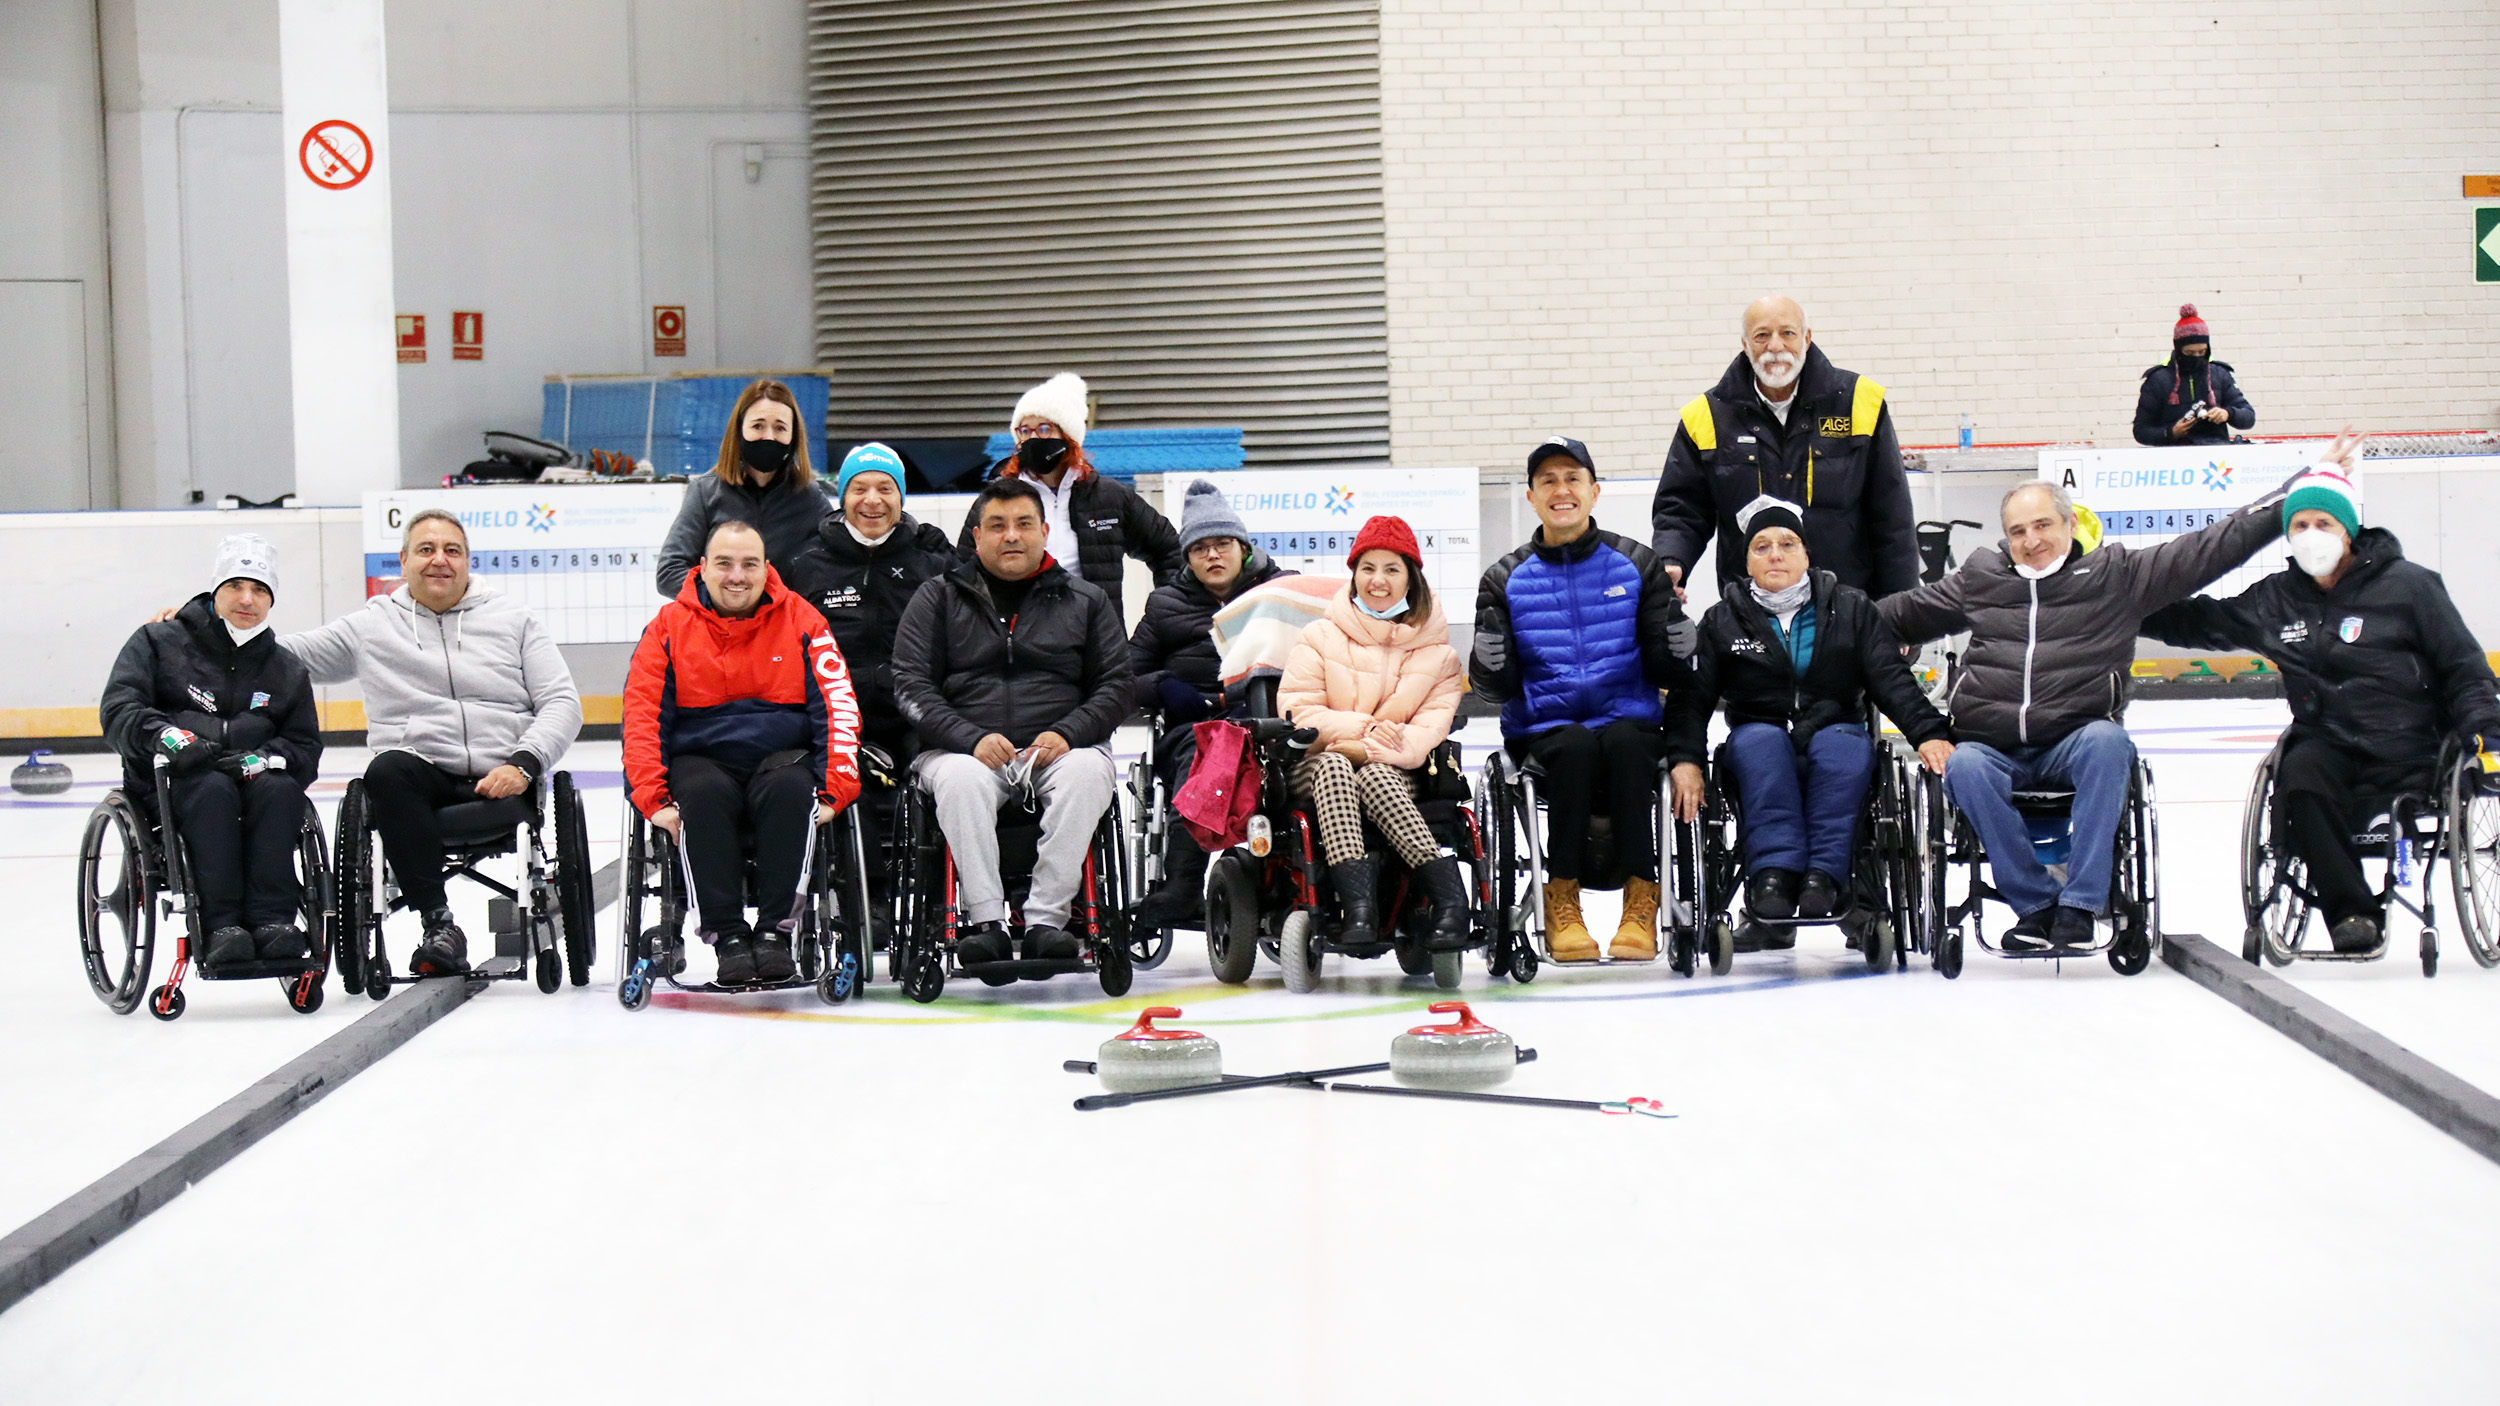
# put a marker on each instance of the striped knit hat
(2327, 490)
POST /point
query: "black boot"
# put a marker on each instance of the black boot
(280, 942)
(773, 958)
(445, 951)
(982, 942)
(734, 952)
(1452, 907)
(1357, 884)
(1771, 893)
(1180, 900)
(1818, 896)
(2030, 933)
(2356, 934)
(228, 945)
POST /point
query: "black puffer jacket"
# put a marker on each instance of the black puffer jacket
(786, 516)
(2164, 399)
(187, 672)
(962, 673)
(1172, 638)
(2382, 664)
(2047, 656)
(1837, 457)
(862, 592)
(1110, 522)
(1743, 663)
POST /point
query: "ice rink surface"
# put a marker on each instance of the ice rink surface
(2031, 1184)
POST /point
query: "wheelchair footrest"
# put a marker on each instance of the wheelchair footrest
(714, 988)
(1026, 968)
(254, 970)
(501, 968)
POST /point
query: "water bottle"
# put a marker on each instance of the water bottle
(1966, 429)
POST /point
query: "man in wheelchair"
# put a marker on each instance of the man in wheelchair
(1576, 634)
(232, 714)
(1176, 672)
(1014, 673)
(466, 698)
(1795, 653)
(2042, 686)
(2380, 671)
(741, 736)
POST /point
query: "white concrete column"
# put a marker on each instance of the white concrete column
(338, 249)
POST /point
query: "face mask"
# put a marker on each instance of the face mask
(2035, 573)
(1040, 456)
(1788, 598)
(244, 637)
(1392, 613)
(2317, 551)
(767, 457)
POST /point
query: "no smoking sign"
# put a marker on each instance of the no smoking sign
(335, 154)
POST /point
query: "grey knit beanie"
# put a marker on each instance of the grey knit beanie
(1204, 514)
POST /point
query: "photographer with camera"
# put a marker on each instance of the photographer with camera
(2191, 398)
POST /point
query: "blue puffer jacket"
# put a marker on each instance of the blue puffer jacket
(1574, 634)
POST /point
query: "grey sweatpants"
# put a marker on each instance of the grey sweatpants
(1074, 791)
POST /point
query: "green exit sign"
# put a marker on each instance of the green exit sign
(2487, 244)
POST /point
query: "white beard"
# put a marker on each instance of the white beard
(1777, 369)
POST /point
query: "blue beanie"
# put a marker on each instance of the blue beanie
(870, 458)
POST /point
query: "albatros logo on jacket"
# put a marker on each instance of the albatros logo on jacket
(201, 696)
(1746, 647)
(2296, 632)
(844, 597)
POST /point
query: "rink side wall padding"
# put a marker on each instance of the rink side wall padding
(39, 1251)
(2443, 1100)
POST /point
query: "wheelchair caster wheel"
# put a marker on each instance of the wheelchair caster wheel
(166, 1003)
(838, 980)
(1722, 946)
(1447, 969)
(1523, 964)
(1949, 954)
(634, 992)
(302, 992)
(2430, 953)
(2253, 945)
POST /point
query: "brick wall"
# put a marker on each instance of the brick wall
(1990, 208)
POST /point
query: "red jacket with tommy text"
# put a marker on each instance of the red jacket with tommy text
(738, 691)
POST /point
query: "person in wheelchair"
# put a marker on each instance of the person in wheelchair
(1175, 672)
(741, 736)
(1576, 634)
(1011, 668)
(2380, 671)
(211, 691)
(466, 697)
(1794, 653)
(1377, 680)
(2042, 686)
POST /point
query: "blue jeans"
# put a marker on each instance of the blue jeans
(2096, 761)
(1801, 812)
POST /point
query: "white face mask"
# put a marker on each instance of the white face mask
(244, 637)
(2034, 573)
(2318, 551)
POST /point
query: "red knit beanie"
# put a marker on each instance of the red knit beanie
(2190, 327)
(1390, 533)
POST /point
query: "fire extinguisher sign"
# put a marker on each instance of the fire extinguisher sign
(468, 336)
(668, 331)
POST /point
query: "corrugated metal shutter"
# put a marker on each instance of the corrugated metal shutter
(1177, 199)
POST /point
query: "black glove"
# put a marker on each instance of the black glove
(1182, 702)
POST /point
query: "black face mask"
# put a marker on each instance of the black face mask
(1040, 456)
(2193, 364)
(767, 457)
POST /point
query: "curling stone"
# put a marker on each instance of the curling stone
(1143, 1058)
(39, 775)
(1465, 1054)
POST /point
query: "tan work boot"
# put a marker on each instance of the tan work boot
(1566, 934)
(1636, 937)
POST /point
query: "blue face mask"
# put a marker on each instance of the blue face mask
(1392, 613)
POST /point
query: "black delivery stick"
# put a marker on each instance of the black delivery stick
(1092, 1102)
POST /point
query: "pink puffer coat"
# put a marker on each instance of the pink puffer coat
(1349, 670)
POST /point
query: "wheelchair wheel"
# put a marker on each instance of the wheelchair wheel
(303, 993)
(1413, 959)
(168, 1003)
(550, 970)
(2474, 859)
(1682, 951)
(358, 924)
(1523, 964)
(1948, 954)
(1722, 935)
(1112, 966)
(573, 904)
(1147, 946)
(2132, 950)
(1447, 968)
(1295, 952)
(116, 905)
(1232, 919)
(1878, 943)
(1506, 938)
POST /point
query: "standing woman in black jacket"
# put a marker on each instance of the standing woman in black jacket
(762, 479)
(210, 691)
(1094, 521)
(1794, 654)
(859, 569)
(2379, 669)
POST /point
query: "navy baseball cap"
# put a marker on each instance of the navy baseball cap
(1561, 444)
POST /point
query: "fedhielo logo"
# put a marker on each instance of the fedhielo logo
(1341, 500)
(2218, 476)
(542, 517)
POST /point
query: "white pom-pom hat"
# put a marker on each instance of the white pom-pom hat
(1060, 400)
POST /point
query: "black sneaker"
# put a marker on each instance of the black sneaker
(773, 961)
(734, 952)
(982, 942)
(1043, 942)
(1778, 939)
(1819, 896)
(2030, 933)
(1749, 936)
(229, 945)
(2355, 935)
(445, 950)
(1772, 893)
(2071, 928)
(280, 942)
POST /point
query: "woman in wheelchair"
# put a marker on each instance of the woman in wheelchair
(1376, 678)
(1176, 672)
(1793, 653)
(741, 734)
(232, 715)
(2380, 671)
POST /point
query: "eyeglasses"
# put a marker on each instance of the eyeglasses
(1044, 430)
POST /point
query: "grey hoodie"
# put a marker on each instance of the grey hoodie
(473, 688)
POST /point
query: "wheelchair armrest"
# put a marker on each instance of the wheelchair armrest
(1266, 732)
(874, 757)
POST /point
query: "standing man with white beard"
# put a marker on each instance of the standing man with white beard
(1786, 422)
